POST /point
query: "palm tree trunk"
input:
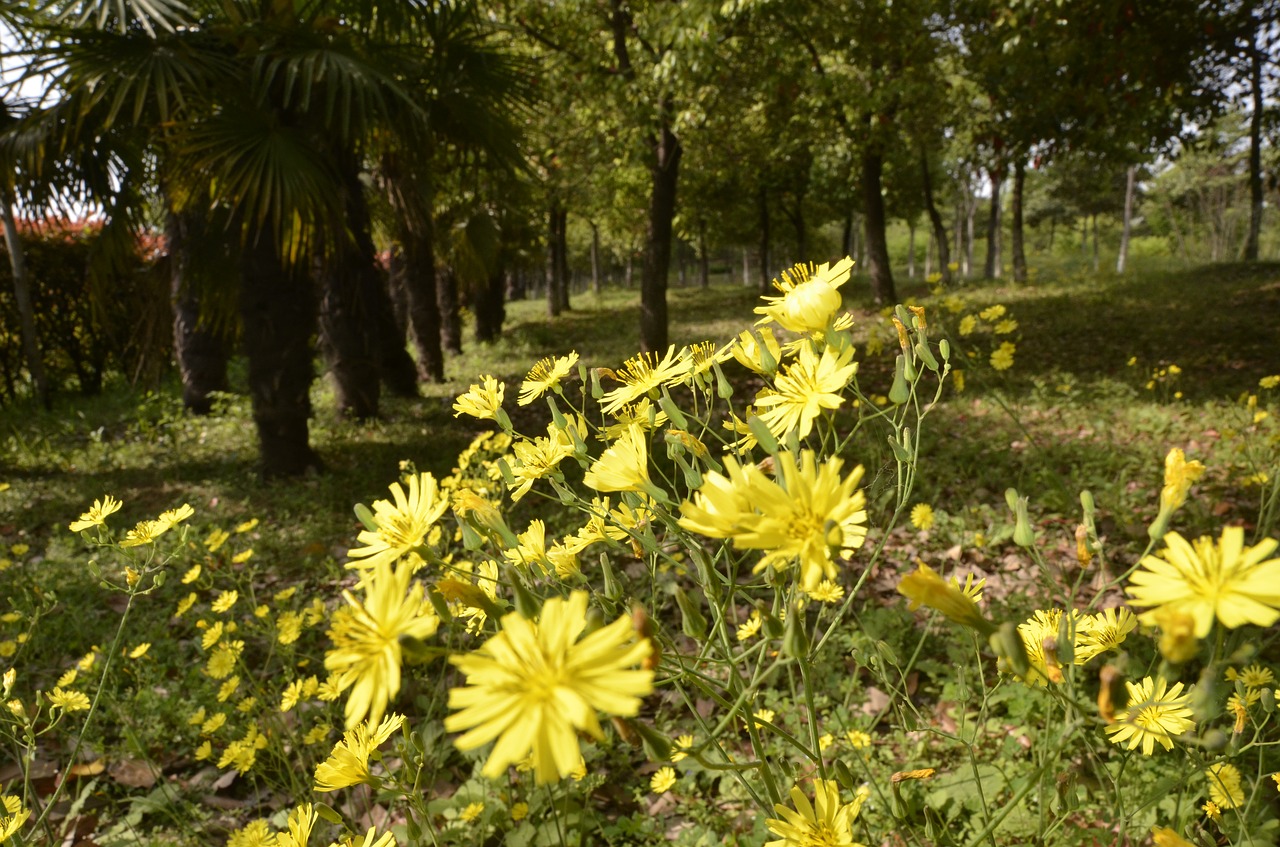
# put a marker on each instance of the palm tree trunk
(200, 349)
(277, 307)
(450, 312)
(26, 311)
(415, 274)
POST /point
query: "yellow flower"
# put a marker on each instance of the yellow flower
(246, 526)
(12, 822)
(213, 724)
(146, 532)
(301, 821)
(366, 637)
(68, 701)
(806, 387)
(1224, 785)
(140, 651)
(623, 466)
(763, 716)
(924, 587)
(171, 518)
(243, 556)
(1268, 382)
(216, 539)
(519, 812)
(858, 739)
(185, 604)
(751, 628)
(968, 324)
(1254, 676)
(228, 688)
(1227, 581)
(401, 525)
(483, 402)
(534, 686)
(1212, 811)
(1002, 358)
(1178, 641)
(348, 763)
(663, 779)
(827, 591)
(545, 376)
(823, 823)
(922, 516)
(223, 660)
(471, 812)
(97, 514)
(992, 313)
(810, 297)
(224, 601)
(1006, 326)
(680, 750)
(641, 374)
(1098, 633)
(758, 351)
(1155, 714)
(537, 458)
(1178, 476)
(288, 627)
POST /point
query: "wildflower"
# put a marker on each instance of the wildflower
(684, 743)
(401, 525)
(228, 688)
(1227, 581)
(211, 635)
(1269, 382)
(758, 351)
(301, 821)
(1006, 326)
(858, 739)
(1178, 476)
(641, 374)
(823, 823)
(242, 557)
(623, 466)
(545, 376)
(481, 401)
(922, 516)
(1212, 811)
(213, 724)
(763, 716)
(968, 324)
(1253, 676)
(1164, 837)
(1104, 631)
(1178, 641)
(810, 297)
(185, 604)
(288, 627)
(146, 532)
(972, 587)
(751, 628)
(827, 591)
(140, 651)
(1002, 358)
(97, 515)
(806, 387)
(826, 740)
(348, 763)
(172, 517)
(254, 834)
(224, 601)
(1224, 785)
(204, 751)
(223, 660)
(519, 812)
(662, 780)
(366, 650)
(1039, 635)
(701, 358)
(537, 458)
(1155, 714)
(992, 313)
(535, 685)
(68, 701)
(471, 812)
(924, 587)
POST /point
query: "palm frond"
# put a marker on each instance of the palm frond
(120, 15)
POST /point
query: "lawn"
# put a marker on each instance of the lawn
(942, 725)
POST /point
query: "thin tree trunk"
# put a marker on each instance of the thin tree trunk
(704, 262)
(1123, 258)
(490, 310)
(765, 259)
(1255, 151)
(562, 259)
(882, 289)
(992, 268)
(846, 239)
(971, 212)
(1016, 241)
(553, 263)
(665, 173)
(595, 258)
(746, 267)
(417, 277)
(201, 350)
(911, 249)
(1095, 242)
(26, 311)
(935, 219)
(278, 312)
(928, 254)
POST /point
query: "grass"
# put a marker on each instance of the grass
(1075, 412)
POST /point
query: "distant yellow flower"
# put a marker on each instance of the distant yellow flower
(348, 763)
(171, 518)
(228, 688)
(824, 823)
(1098, 633)
(145, 532)
(139, 651)
(1253, 676)
(1002, 357)
(471, 812)
(763, 716)
(213, 724)
(992, 313)
(858, 739)
(1227, 581)
(1179, 474)
(810, 297)
(828, 591)
(223, 660)
(545, 376)
(537, 458)
(243, 556)
(680, 750)
(804, 388)
(1268, 382)
(481, 401)
(366, 651)
(751, 627)
(1224, 785)
(224, 601)
(623, 466)
(662, 781)
(922, 516)
(534, 686)
(1006, 326)
(401, 525)
(968, 324)
(1212, 811)
(97, 514)
(519, 811)
(1155, 715)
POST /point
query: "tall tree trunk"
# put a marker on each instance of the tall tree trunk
(970, 213)
(198, 345)
(665, 172)
(399, 372)
(935, 219)
(26, 311)
(488, 305)
(595, 258)
(553, 262)
(278, 311)
(746, 267)
(928, 254)
(911, 249)
(992, 268)
(1255, 150)
(562, 259)
(414, 272)
(846, 238)
(1123, 257)
(765, 259)
(450, 310)
(1095, 242)
(882, 289)
(704, 262)
(1016, 232)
